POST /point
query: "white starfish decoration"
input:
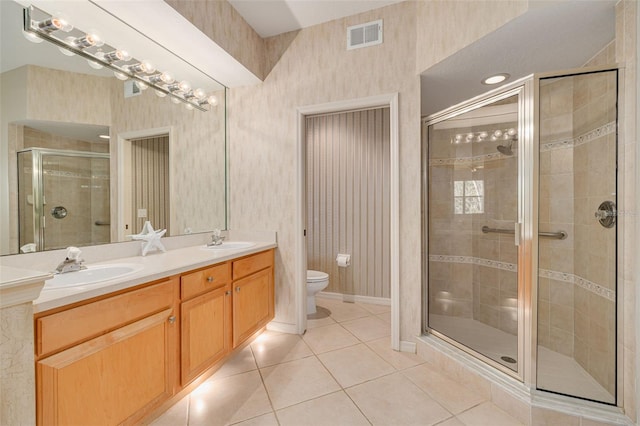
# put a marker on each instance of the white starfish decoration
(150, 237)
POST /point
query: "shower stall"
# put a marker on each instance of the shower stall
(63, 199)
(520, 231)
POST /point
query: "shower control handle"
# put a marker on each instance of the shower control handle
(607, 214)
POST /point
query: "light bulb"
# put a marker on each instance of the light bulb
(497, 133)
(89, 40)
(120, 75)
(141, 68)
(94, 64)
(160, 93)
(199, 93)
(212, 100)
(142, 85)
(175, 100)
(183, 86)
(163, 77)
(483, 135)
(189, 107)
(116, 55)
(54, 24)
(33, 38)
(511, 132)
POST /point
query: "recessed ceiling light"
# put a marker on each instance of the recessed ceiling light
(104, 136)
(495, 79)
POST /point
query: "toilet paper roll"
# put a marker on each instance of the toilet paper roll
(343, 260)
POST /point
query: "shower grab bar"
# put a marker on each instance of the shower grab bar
(102, 223)
(560, 235)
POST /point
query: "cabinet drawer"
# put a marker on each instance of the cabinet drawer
(205, 280)
(63, 329)
(251, 264)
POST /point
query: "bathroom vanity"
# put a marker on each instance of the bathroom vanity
(118, 357)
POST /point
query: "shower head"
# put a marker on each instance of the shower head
(506, 149)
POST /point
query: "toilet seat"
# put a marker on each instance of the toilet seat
(316, 276)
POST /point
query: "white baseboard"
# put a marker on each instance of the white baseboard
(282, 327)
(406, 346)
(356, 298)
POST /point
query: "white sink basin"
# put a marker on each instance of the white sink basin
(232, 245)
(91, 275)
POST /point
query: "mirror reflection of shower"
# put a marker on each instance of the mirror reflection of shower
(63, 198)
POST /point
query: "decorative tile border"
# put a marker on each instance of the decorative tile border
(468, 160)
(475, 261)
(62, 173)
(596, 133)
(580, 282)
(543, 273)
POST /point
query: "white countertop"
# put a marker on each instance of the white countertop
(155, 265)
(19, 285)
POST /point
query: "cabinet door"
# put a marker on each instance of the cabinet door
(112, 379)
(252, 304)
(206, 331)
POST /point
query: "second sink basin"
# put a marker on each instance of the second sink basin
(91, 275)
(232, 245)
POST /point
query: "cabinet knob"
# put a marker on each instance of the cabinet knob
(238, 289)
(172, 319)
(227, 293)
(209, 279)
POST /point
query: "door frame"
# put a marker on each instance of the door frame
(123, 155)
(300, 273)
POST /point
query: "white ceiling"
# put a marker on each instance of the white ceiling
(550, 36)
(273, 17)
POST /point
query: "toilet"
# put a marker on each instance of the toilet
(316, 281)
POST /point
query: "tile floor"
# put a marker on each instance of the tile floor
(340, 373)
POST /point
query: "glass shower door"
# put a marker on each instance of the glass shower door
(76, 197)
(472, 193)
(577, 275)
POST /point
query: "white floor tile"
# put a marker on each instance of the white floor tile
(241, 362)
(297, 381)
(329, 338)
(395, 400)
(367, 328)
(399, 360)
(487, 414)
(329, 410)
(228, 400)
(355, 364)
(275, 348)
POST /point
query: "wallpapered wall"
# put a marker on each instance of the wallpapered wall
(316, 68)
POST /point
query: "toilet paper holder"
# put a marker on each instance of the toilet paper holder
(343, 260)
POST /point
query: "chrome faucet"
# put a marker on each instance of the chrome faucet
(72, 263)
(216, 238)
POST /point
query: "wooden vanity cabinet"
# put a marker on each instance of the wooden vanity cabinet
(253, 298)
(205, 320)
(118, 358)
(112, 371)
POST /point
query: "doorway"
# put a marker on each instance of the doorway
(383, 101)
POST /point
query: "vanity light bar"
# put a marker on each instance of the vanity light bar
(481, 136)
(50, 29)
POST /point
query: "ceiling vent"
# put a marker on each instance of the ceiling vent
(364, 35)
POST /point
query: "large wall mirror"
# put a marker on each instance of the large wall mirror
(86, 158)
